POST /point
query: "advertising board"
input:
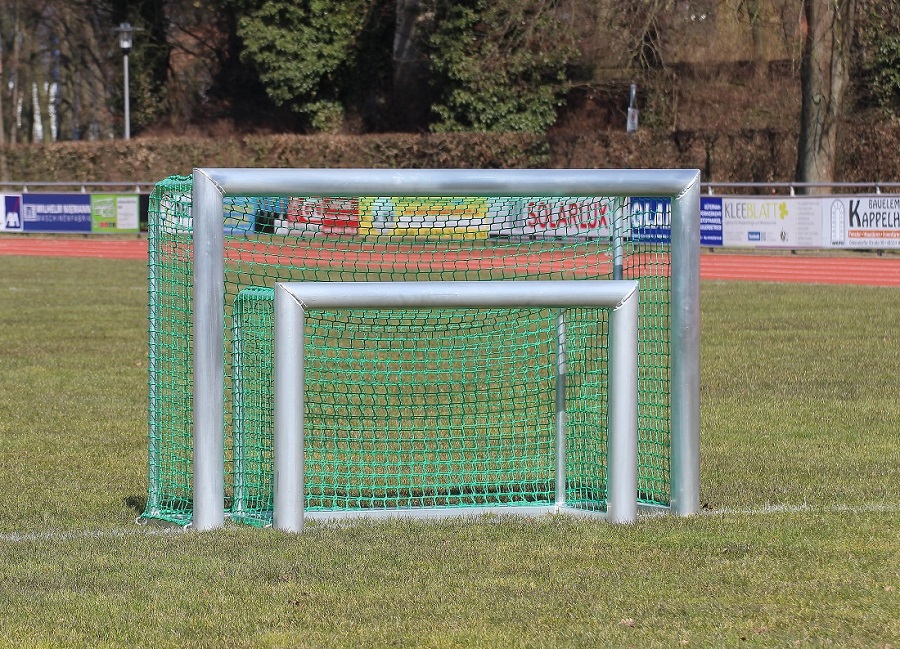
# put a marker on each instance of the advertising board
(863, 221)
(12, 213)
(650, 219)
(559, 217)
(115, 213)
(774, 222)
(56, 212)
(446, 217)
(315, 216)
(710, 221)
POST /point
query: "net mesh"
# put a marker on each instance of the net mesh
(406, 408)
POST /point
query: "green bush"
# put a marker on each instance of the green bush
(500, 65)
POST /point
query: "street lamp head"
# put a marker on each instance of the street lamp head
(126, 31)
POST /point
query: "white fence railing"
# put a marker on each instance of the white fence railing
(712, 188)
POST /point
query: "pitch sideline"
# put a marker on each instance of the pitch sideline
(767, 510)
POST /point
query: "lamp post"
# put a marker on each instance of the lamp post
(126, 31)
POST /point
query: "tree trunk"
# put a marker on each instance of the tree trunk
(755, 16)
(14, 83)
(411, 97)
(3, 166)
(823, 79)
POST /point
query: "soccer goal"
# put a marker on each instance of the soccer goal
(410, 407)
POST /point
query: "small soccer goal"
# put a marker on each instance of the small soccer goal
(400, 400)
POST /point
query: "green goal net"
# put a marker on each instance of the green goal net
(445, 408)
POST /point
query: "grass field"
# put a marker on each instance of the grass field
(798, 545)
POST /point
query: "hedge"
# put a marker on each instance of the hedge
(867, 152)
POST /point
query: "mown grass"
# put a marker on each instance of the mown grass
(799, 544)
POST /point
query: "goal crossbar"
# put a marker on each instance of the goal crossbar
(294, 299)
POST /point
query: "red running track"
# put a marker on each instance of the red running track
(56, 247)
(857, 269)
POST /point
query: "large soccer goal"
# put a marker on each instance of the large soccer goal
(413, 407)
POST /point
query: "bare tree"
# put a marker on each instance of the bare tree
(57, 70)
(824, 76)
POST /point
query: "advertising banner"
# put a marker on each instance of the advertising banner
(863, 221)
(710, 221)
(12, 213)
(451, 217)
(113, 213)
(858, 221)
(319, 216)
(561, 217)
(56, 212)
(240, 213)
(650, 219)
(777, 222)
(175, 213)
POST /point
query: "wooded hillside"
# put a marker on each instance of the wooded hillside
(718, 81)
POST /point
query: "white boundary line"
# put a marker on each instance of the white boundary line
(804, 508)
(75, 535)
(140, 531)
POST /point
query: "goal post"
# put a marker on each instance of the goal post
(213, 263)
(293, 300)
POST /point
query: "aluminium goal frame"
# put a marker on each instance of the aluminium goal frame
(211, 185)
(294, 299)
